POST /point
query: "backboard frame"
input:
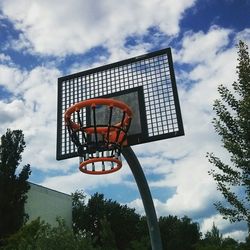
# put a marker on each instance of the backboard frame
(139, 139)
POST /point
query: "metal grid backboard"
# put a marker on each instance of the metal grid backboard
(150, 78)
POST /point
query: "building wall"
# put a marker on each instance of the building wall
(48, 204)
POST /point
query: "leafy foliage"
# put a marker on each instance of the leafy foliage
(213, 237)
(213, 240)
(38, 235)
(13, 187)
(178, 233)
(88, 218)
(128, 229)
(233, 125)
(106, 236)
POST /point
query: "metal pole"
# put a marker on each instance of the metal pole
(148, 204)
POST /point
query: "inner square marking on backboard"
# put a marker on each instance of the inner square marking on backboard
(133, 99)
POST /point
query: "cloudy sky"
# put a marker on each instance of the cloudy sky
(41, 40)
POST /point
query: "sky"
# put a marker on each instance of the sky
(42, 40)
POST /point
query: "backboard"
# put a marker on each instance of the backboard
(146, 83)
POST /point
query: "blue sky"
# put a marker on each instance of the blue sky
(42, 40)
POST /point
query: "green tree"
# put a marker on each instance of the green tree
(178, 234)
(246, 245)
(233, 125)
(39, 235)
(142, 242)
(13, 187)
(87, 219)
(229, 243)
(79, 212)
(107, 238)
(213, 237)
(213, 240)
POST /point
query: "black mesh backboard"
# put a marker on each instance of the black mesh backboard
(146, 83)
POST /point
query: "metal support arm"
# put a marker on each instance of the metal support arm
(148, 204)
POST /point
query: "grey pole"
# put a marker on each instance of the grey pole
(148, 204)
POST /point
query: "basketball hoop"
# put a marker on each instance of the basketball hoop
(99, 145)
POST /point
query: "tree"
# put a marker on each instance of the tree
(79, 212)
(99, 214)
(233, 125)
(38, 235)
(107, 238)
(114, 226)
(178, 234)
(142, 241)
(213, 240)
(13, 187)
(213, 237)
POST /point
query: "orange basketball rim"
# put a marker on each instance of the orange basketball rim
(98, 144)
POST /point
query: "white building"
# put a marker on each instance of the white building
(48, 204)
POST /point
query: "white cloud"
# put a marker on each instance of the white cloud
(217, 220)
(11, 77)
(32, 108)
(4, 58)
(53, 28)
(194, 188)
(244, 35)
(138, 205)
(195, 191)
(199, 47)
(116, 53)
(239, 235)
(11, 111)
